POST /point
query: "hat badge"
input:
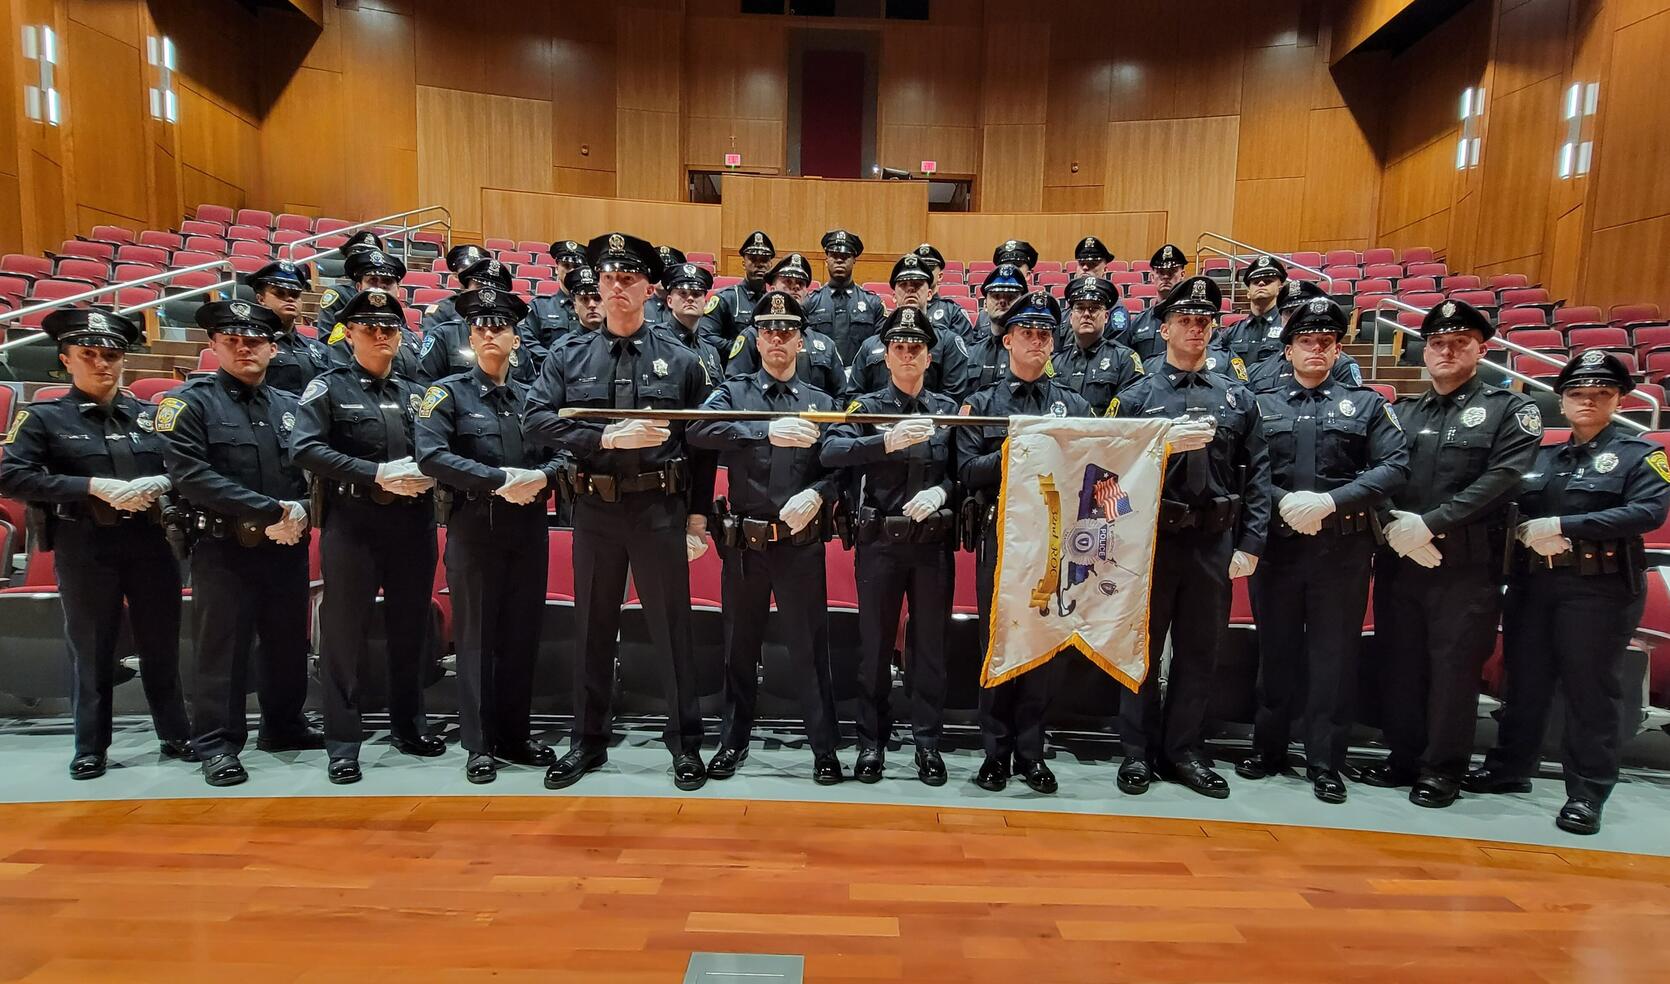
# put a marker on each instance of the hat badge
(1090, 242)
(376, 256)
(1318, 305)
(690, 269)
(376, 298)
(1169, 253)
(1041, 297)
(617, 241)
(907, 318)
(911, 261)
(1011, 244)
(489, 296)
(1200, 289)
(286, 266)
(240, 309)
(1448, 310)
(759, 239)
(795, 260)
(777, 305)
(1593, 357)
(665, 251)
(96, 321)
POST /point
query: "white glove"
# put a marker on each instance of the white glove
(1426, 555)
(1305, 511)
(521, 485)
(1533, 530)
(117, 493)
(402, 477)
(1188, 434)
(288, 530)
(629, 434)
(695, 544)
(141, 492)
(1551, 546)
(1407, 532)
(800, 509)
(912, 430)
(925, 503)
(1242, 564)
(792, 432)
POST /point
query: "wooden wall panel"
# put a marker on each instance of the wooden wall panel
(532, 215)
(890, 216)
(103, 86)
(1267, 210)
(735, 104)
(1355, 21)
(1342, 181)
(469, 141)
(648, 120)
(1631, 179)
(311, 173)
(498, 47)
(972, 235)
(930, 97)
(1274, 124)
(1518, 171)
(1532, 44)
(1012, 168)
(1195, 187)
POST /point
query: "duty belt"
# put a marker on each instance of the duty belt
(1215, 516)
(1586, 557)
(875, 526)
(762, 534)
(1344, 524)
(610, 488)
(101, 513)
(213, 526)
(376, 494)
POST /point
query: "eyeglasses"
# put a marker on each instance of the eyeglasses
(380, 330)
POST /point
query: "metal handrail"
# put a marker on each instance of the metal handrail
(1234, 258)
(406, 228)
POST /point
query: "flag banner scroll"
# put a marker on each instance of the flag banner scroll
(1076, 524)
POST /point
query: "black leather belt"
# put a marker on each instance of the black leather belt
(759, 534)
(610, 488)
(1216, 516)
(877, 527)
(376, 494)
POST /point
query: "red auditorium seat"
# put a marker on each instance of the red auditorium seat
(1141, 266)
(720, 283)
(1231, 320)
(50, 392)
(1368, 301)
(330, 225)
(52, 290)
(1635, 402)
(1647, 338)
(1118, 266)
(498, 245)
(1339, 257)
(192, 227)
(1380, 254)
(95, 272)
(284, 237)
(13, 288)
(111, 234)
(969, 305)
(1374, 285)
(1462, 281)
(207, 361)
(534, 247)
(1047, 266)
(1051, 279)
(297, 223)
(1417, 285)
(1417, 254)
(1422, 299)
(1516, 296)
(1125, 280)
(85, 249)
(1387, 271)
(151, 390)
(546, 288)
(1309, 258)
(1580, 314)
(981, 267)
(1521, 316)
(215, 213)
(1341, 272)
(1425, 270)
(252, 247)
(955, 267)
(248, 263)
(1508, 281)
(142, 254)
(700, 257)
(1535, 367)
(206, 244)
(131, 296)
(191, 258)
(1588, 338)
(1483, 299)
(165, 240)
(1386, 390)
(1135, 305)
(25, 265)
(254, 217)
(1537, 338)
(1622, 312)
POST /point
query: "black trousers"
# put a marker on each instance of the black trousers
(1189, 599)
(496, 563)
(366, 547)
(643, 533)
(241, 594)
(1309, 594)
(796, 576)
(1561, 627)
(1011, 713)
(99, 568)
(889, 573)
(1434, 629)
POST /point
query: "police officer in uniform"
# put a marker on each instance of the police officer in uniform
(1275, 374)
(334, 299)
(687, 286)
(1092, 256)
(948, 372)
(244, 502)
(1094, 366)
(354, 434)
(841, 309)
(552, 317)
(947, 315)
(639, 503)
(1011, 713)
(1143, 333)
(1437, 592)
(91, 461)
(655, 309)
(372, 269)
(1018, 252)
(447, 350)
(470, 440)
(771, 537)
(1214, 514)
(817, 362)
(1576, 593)
(1258, 336)
(1336, 453)
(729, 311)
(988, 358)
(278, 286)
(906, 532)
(459, 259)
(583, 287)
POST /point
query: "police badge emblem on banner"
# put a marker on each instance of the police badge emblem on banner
(1076, 523)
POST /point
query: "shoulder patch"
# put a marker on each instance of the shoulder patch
(1113, 406)
(1356, 373)
(168, 412)
(1658, 463)
(328, 298)
(22, 415)
(1136, 360)
(1530, 420)
(1392, 416)
(431, 399)
(337, 334)
(736, 346)
(852, 407)
(1240, 368)
(1049, 368)
(428, 343)
(316, 387)
(712, 304)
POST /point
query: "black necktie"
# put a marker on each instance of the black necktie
(1304, 441)
(387, 395)
(782, 459)
(1197, 465)
(510, 426)
(843, 318)
(117, 441)
(625, 374)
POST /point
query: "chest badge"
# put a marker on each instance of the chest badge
(288, 421)
(861, 307)
(1274, 331)
(659, 366)
(1058, 409)
(1605, 462)
(414, 403)
(939, 315)
(1106, 362)
(144, 421)
(1229, 398)
(1473, 416)
(1347, 408)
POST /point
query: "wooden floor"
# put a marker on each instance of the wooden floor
(564, 889)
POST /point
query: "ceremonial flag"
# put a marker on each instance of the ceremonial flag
(1076, 522)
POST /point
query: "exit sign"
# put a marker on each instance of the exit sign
(733, 160)
(929, 167)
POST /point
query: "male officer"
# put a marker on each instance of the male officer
(278, 286)
(655, 309)
(687, 286)
(1143, 333)
(947, 315)
(729, 311)
(988, 357)
(1214, 513)
(1276, 373)
(553, 316)
(446, 349)
(912, 282)
(92, 464)
(817, 362)
(1336, 453)
(372, 269)
(1092, 256)
(458, 259)
(243, 500)
(470, 440)
(1093, 365)
(582, 285)
(1018, 252)
(1011, 713)
(1437, 593)
(906, 534)
(640, 505)
(334, 299)
(841, 309)
(354, 433)
(772, 537)
(1258, 337)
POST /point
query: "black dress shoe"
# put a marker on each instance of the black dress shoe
(1434, 792)
(725, 762)
(177, 748)
(688, 771)
(1135, 776)
(1199, 777)
(423, 746)
(306, 740)
(481, 768)
(1036, 775)
(1487, 780)
(930, 768)
(826, 771)
(1386, 776)
(993, 775)
(89, 766)
(566, 771)
(1327, 785)
(343, 771)
(1579, 817)
(868, 767)
(530, 752)
(1260, 767)
(224, 770)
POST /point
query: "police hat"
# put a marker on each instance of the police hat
(373, 262)
(1196, 295)
(757, 244)
(1090, 248)
(842, 242)
(930, 256)
(792, 265)
(671, 256)
(616, 251)
(239, 318)
(1016, 251)
(568, 251)
(1455, 316)
(1005, 276)
(1038, 309)
(282, 273)
(373, 307)
(362, 240)
(907, 324)
(1319, 315)
(490, 306)
(1090, 288)
(687, 275)
(777, 311)
(1167, 256)
(486, 272)
(910, 267)
(581, 280)
(1264, 266)
(1595, 368)
(459, 257)
(1296, 292)
(95, 327)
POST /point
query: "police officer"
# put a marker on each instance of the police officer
(1143, 334)
(1276, 373)
(470, 440)
(1437, 591)
(1094, 366)
(354, 433)
(458, 259)
(1336, 453)
(447, 350)
(841, 309)
(278, 286)
(243, 498)
(946, 314)
(948, 372)
(372, 269)
(91, 461)
(687, 286)
(552, 317)
(817, 362)
(655, 309)
(988, 358)
(639, 503)
(582, 286)
(1018, 252)
(334, 299)
(729, 311)
(771, 537)
(905, 528)
(1258, 336)
(1576, 593)
(1011, 713)
(1214, 514)
(1092, 256)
